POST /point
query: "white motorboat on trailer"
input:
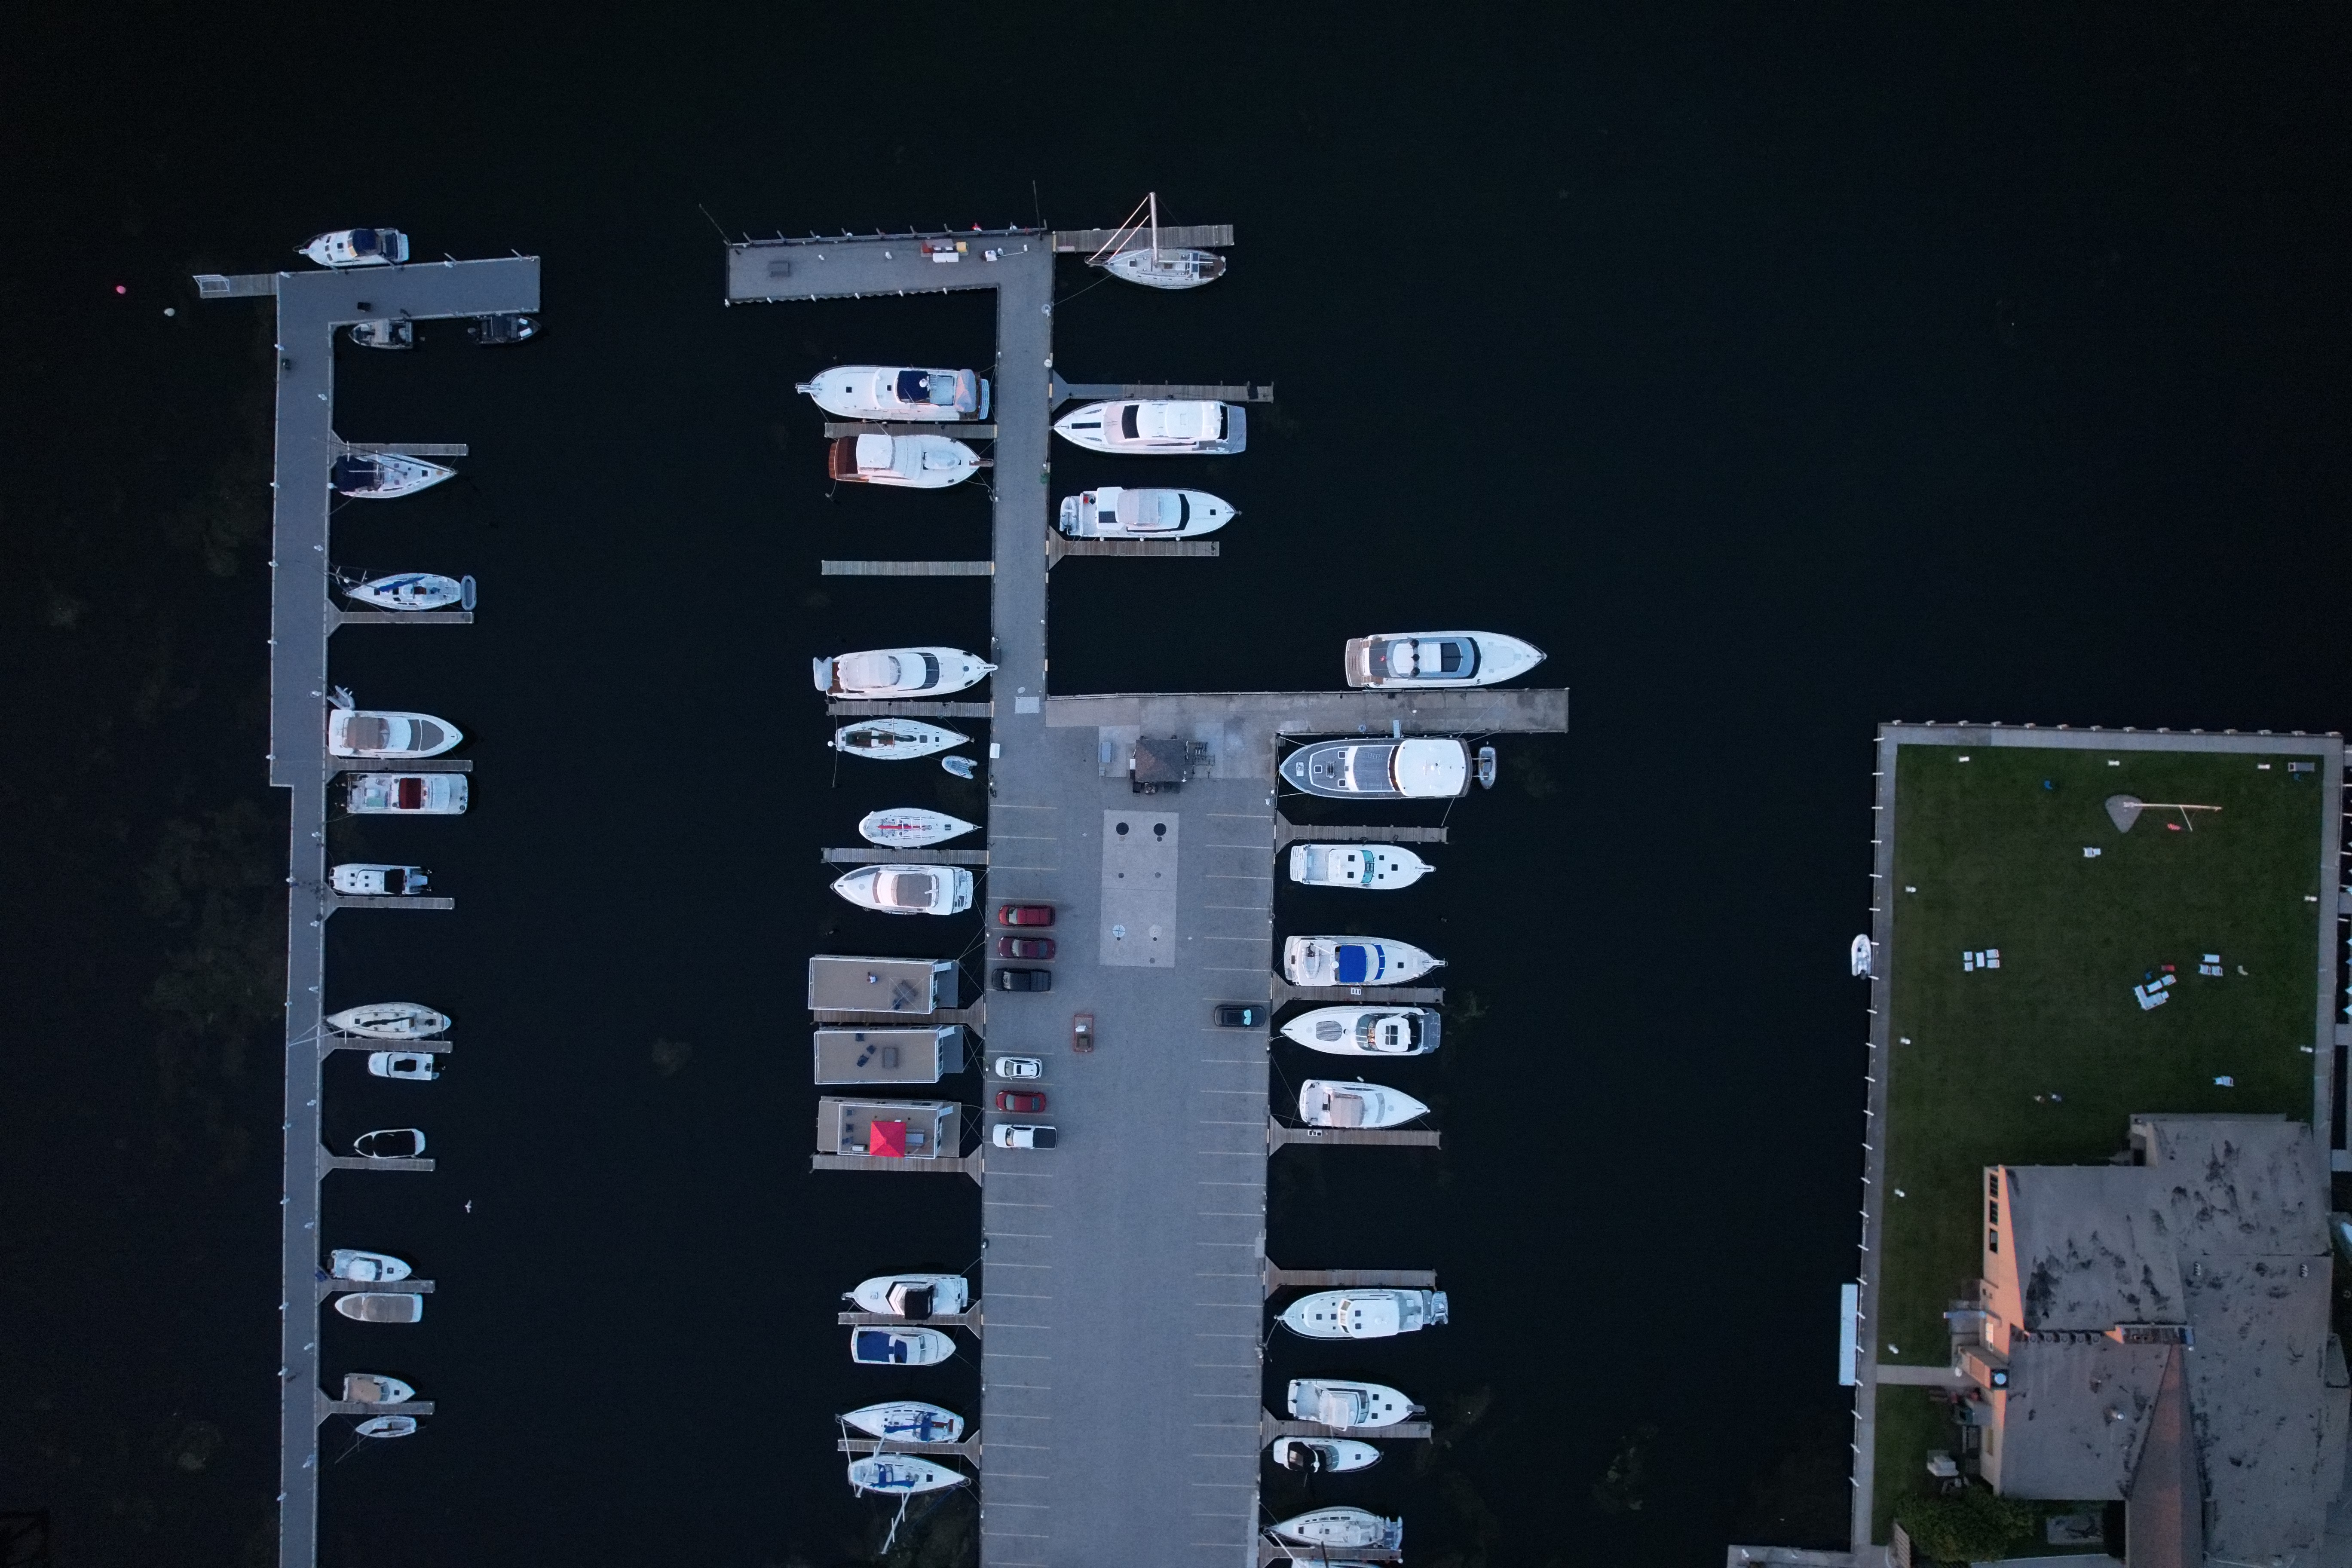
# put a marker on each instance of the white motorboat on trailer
(344, 248)
(912, 826)
(1114, 511)
(1422, 768)
(1381, 867)
(912, 1296)
(923, 462)
(382, 1307)
(889, 392)
(409, 1067)
(1321, 1456)
(1152, 264)
(387, 332)
(355, 732)
(901, 1475)
(898, 672)
(894, 740)
(899, 1347)
(1353, 960)
(1332, 1102)
(406, 794)
(1157, 428)
(348, 1263)
(1437, 659)
(375, 1388)
(1345, 1404)
(390, 1021)
(367, 879)
(383, 476)
(1342, 1527)
(906, 1421)
(386, 1426)
(412, 591)
(390, 1144)
(1364, 1314)
(1366, 1031)
(908, 889)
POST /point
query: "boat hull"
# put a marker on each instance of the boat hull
(348, 1263)
(1366, 1031)
(1372, 661)
(899, 1347)
(375, 1388)
(389, 736)
(1117, 511)
(406, 794)
(386, 1426)
(1418, 768)
(906, 1421)
(1169, 267)
(1364, 1314)
(1380, 868)
(901, 1475)
(905, 462)
(412, 591)
(408, 1067)
(883, 888)
(1353, 960)
(949, 1293)
(1322, 1456)
(912, 827)
(390, 1021)
(1102, 427)
(871, 392)
(382, 1307)
(1346, 1404)
(894, 740)
(898, 672)
(384, 476)
(1342, 1527)
(1326, 1102)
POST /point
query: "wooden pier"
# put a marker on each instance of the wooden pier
(1283, 992)
(975, 1016)
(972, 1164)
(332, 1287)
(329, 903)
(1280, 1136)
(1287, 833)
(908, 569)
(1189, 392)
(835, 429)
(1173, 236)
(840, 708)
(1270, 1427)
(367, 1162)
(339, 617)
(357, 1407)
(969, 1319)
(1277, 1280)
(874, 857)
(331, 1041)
(1058, 547)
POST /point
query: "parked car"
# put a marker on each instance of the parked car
(1020, 1067)
(1024, 915)
(1024, 980)
(1015, 1099)
(1240, 1016)
(1082, 1032)
(1024, 947)
(1021, 1135)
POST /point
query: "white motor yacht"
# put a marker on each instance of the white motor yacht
(1114, 511)
(390, 1021)
(412, 591)
(385, 476)
(390, 1144)
(1371, 1314)
(892, 393)
(908, 889)
(1342, 1527)
(912, 826)
(912, 1296)
(1366, 1031)
(348, 1263)
(386, 1426)
(1331, 1102)
(369, 879)
(1341, 1403)
(900, 1474)
(899, 672)
(406, 794)
(408, 1067)
(356, 732)
(388, 333)
(382, 1307)
(1321, 1456)
(1353, 960)
(894, 740)
(1157, 428)
(1133, 254)
(375, 1388)
(909, 462)
(906, 1421)
(1377, 866)
(344, 248)
(899, 1347)
(1437, 659)
(1422, 768)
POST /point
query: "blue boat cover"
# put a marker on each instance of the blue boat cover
(1355, 962)
(879, 1346)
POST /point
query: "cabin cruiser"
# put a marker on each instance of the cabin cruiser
(386, 1426)
(908, 1421)
(1150, 263)
(352, 732)
(390, 1020)
(899, 672)
(1321, 1456)
(1332, 1102)
(367, 879)
(1437, 659)
(912, 1296)
(1157, 426)
(894, 740)
(888, 392)
(1338, 1402)
(375, 1388)
(901, 1475)
(387, 332)
(1342, 1527)
(506, 327)
(382, 476)
(356, 247)
(899, 1347)
(412, 591)
(908, 889)
(390, 1144)
(1353, 960)
(912, 826)
(1364, 1314)
(406, 794)
(1366, 1031)
(382, 1307)
(1376, 865)
(1417, 769)
(911, 462)
(409, 1067)
(1116, 512)
(348, 1263)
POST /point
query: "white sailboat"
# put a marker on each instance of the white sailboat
(900, 1474)
(894, 740)
(908, 1421)
(382, 476)
(1329, 1102)
(412, 591)
(1342, 1527)
(390, 1020)
(1152, 264)
(912, 827)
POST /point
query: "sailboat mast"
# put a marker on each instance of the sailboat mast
(1155, 228)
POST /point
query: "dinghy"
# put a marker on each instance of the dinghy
(409, 1067)
(923, 462)
(1342, 1527)
(1436, 658)
(912, 827)
(889, 392)
(1353, 960)
(893, 672)
(344, 248)
(390, 1144)
(899, 1347)
(412, 591)
(356, 732)
(382, 476)
(390, 1021)
(368, 879)
(1321, 1456)
(1329, 1102)
(894, 740)
(1338, 1402)
(912, 1296)
(1380, 867)
(908, 1421)
(391, 333)
(963, 767)
(382, 1307)
(375, 1388)
(348, 1263)
(386, 1426)
(1366, 1031)
(1150, 263)
(908, 889)
(1365, 1314)
(900, 1474)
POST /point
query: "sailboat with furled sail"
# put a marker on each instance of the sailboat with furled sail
(1152, 264)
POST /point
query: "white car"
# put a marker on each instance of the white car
(1436, 658)
(908, 889)
(909, 462)
(1155, 427)
(354, 732)
(1376, 865)
(411, 1066)
(889, 392)
(356, 247)
(406, 794)
(367, 880)
(1020, 1067)
(1422, 768)
(1366, 1031)
(898, 672)
(1116, 512)
(1020, 1135)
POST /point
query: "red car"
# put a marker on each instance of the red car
(1014, 1099)
(1024, 915)
(1024, 947)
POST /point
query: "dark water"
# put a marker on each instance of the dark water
(1777, 375)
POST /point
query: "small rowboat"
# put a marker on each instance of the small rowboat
(387, 1427)
(894, 740)
(912, 827)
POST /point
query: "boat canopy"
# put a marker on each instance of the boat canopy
(874, 451)
(911, 890)
(1355, 963)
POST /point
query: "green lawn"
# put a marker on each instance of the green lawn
(1909, 1423)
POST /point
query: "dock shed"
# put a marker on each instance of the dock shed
(888, 1055)
(888, 1128)
(910, 985)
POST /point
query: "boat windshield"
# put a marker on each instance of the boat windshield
(930, 672)
(914, 386)
(1127, 422)
(363, 242)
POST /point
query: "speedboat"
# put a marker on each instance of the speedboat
(390, 1144)
(1157, 426)
(908, 889)
(356, 247)
(506, 327)
(1366, 1031)
(1150, 263)
(899, 672)
(894, 740)
(912, 1296)
(367, 879)
(1342, 1527)
(354, 732)
(387, 1425)
(390, 1020)
(908, 1421)
(406, 794)
(912, 826)
(899, 1347)
(1364, 1314)
(1437, 659)
(348, 1263)
(1330, 1102)
(1353, 960)
(382, 476)
(1338, 1402)
(409, 1067)
(1417, 769)
(375, 1388)
(901, 1475)
(911, 462)
(1116, 513)
(1321, 1456)
(388, 333)
(889, 392)
(1376, 865)
(382, 1307)
(412, 591)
